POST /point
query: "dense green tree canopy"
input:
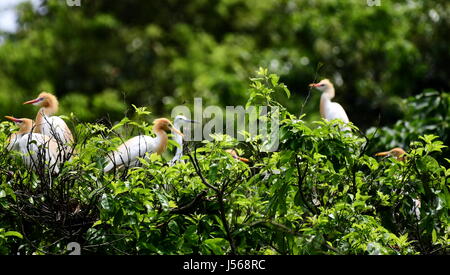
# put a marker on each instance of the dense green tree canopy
(102, 56)
(322, 191)
(319, 193)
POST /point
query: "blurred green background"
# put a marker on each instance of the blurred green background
(106, 55)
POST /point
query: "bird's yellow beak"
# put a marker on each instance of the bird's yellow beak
(382, 154)
(34, 101)
(313, 84)
(13, 119)
(244, 160)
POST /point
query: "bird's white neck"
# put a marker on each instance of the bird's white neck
(325, 99)
(178, 138)
(328, 93)
(179, 153)
(41, 118)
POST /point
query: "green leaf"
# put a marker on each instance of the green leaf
(124, 121)
(13, 234)
(434, 236)
(97, 223)
(286, 90)
(216, 245)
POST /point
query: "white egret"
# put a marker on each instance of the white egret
(330, 110)
(50, 125)
(36, 149)
(127, 154)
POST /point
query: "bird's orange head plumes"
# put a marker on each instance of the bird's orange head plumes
(25, 124)
(163, 124)
(45, 100)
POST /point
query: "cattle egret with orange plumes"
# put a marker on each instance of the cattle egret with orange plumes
(50, 125)
(128, 153)
(235, 155)
(330, 110)
(398, 153)
(35, 148)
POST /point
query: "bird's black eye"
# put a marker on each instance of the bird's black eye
(322, 85)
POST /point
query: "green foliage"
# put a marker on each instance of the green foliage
(426, 113)
(105, 56)
(319, 193)
(5, 237)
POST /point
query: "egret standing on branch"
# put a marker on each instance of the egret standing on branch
(330, 110)
(128, 153)
(36, 149)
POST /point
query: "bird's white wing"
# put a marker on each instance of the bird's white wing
(335, 111)
(38, 150)
(56, 127)
(128, 153)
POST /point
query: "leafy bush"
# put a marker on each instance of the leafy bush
(321, 192)
(426, 113)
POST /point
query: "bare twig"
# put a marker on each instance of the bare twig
(186, 208)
